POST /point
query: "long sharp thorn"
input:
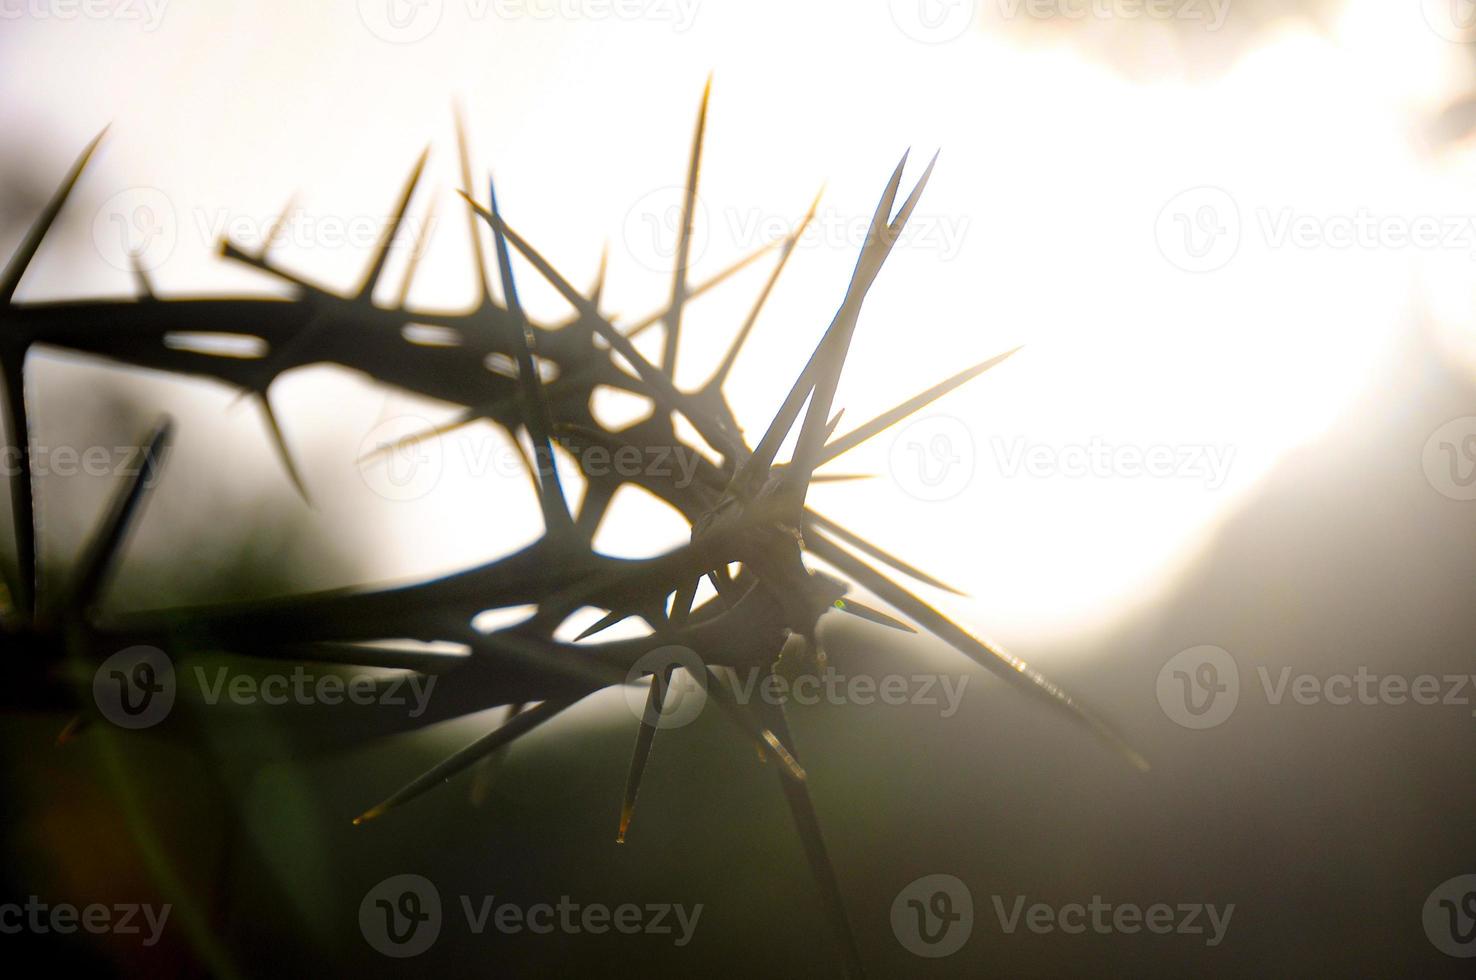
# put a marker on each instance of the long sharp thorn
(536, 415)
(824, 359)
(684, 241)
(890, 418)
(645, 737)
(276, 227)
(387, 240)
(862, 611)
(765, 740)
(598, 291)
(518, 725)
(680, 608)
(662, 390)
(141, 276)
(15, 269)
(22, 498)
(460, 421)
(726, 366)
(705, 286)
(866, 547)
(605, 622)
(807, 824)
(988, 655)
(422, 238)
(812, 435)
(279, 443)
(107, 541)
(464, 152)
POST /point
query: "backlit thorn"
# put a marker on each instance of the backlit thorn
(598, 290)
(484, 291)
(812, 434)
(101, 552)
(705, 286)
(890, 418)
(536, 416)
(422, 239)
(73, 728)
(826, 360)
(387, 240)
(279, 443)
(994, 658)
(15, 269)
(645, 737)
(276, 227)
(514, 728)
(141, 276)
(684, 241)
(861, 544)
(807, 824)
(22, 500)
(663, 392)
(725, 367)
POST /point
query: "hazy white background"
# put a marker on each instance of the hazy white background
(1045, 225)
